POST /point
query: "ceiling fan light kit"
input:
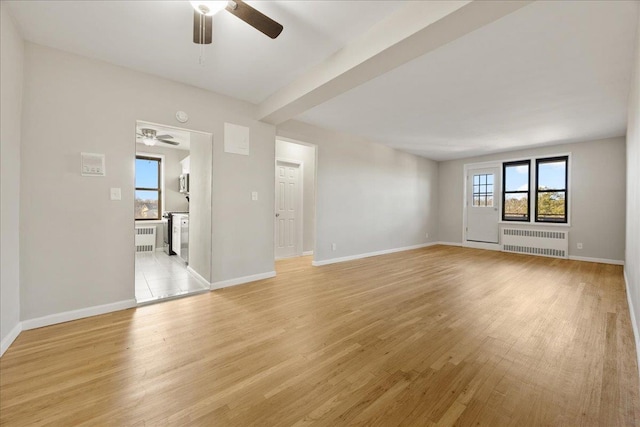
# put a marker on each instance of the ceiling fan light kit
(203, 19)
(150, 138)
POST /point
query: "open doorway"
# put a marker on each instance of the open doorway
(172, 212)
(295, 204)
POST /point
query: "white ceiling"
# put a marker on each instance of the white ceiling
(550, 72)
(157, 37)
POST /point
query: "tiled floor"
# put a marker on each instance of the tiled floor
(159, 275)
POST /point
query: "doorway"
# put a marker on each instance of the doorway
(172, 207)
(294, 216)
(482, 206)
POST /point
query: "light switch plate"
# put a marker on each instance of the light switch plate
(116, 194)
(254, 195)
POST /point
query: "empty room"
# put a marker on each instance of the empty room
(332, 213)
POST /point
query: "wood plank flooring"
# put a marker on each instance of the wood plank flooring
(432, 337)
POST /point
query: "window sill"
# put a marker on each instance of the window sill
(541, 224)
(148, 221)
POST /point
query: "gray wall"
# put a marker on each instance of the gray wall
(632, 260)
(597, 176)
(74, 104)
(306, 155)
(12, 48)
(369, 197)
(200, 201)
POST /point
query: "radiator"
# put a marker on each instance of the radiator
(536, 242)
(146, 238)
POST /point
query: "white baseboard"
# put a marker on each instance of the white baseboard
(199, 277)
(307, 253)
(599, 260)
(10, 338)
(370, 254)
(449, 244)
(242, 280)
(634, 321)
(67, 316)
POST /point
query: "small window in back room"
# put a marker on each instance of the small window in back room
(515, 194)
(551, 189)
(148, 188)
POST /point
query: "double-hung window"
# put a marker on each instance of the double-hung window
(148, 197)
(515, 197)
(551, 189)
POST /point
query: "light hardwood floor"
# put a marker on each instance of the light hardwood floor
(435, 336)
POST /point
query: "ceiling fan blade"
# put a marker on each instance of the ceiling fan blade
(168, 142)
(164, 137)
(202, 35)
(255, 18)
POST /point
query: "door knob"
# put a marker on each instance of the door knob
(277, 215)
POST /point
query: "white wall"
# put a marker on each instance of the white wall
(306, 155)
(369, 197)
(632, 258)
(75, 251)
(597, 170)
(200, 205)
(11, 63)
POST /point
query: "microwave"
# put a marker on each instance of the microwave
(184, 183)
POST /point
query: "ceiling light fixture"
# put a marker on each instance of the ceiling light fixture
(209, 8)
(148, 141)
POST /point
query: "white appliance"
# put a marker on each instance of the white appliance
(180, 236)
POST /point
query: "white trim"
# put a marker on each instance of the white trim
(599, 260)
(242, 280)
(370, 254)
(67, 316)
(634, 322)
(449, 244)
(198, 277)
(295, 141)
(307, 253)
(300, 199)
(482, 245)
(10, 338)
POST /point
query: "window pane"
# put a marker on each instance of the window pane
(476, 179)
(516, 178)
(551, 206)
(551, 175)
(515, 206)
(147, 173)
(146, 204)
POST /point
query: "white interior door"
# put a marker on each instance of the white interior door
(483, 205)
(288, 210)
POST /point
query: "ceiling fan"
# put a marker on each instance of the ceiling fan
(203, 19)
(149, 137)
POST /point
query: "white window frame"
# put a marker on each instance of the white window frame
(162, 179)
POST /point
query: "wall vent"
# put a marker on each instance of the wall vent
(146, 238)
(536, 242)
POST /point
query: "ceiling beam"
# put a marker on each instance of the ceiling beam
(416, 29)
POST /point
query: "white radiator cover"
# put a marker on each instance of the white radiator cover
(146, 238)
(535, 242)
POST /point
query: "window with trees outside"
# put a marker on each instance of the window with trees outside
(148, 188)
(551, 189)
(515, 194)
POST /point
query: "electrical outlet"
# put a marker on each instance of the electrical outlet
(426, 235)
(333, 246)
(579, 245)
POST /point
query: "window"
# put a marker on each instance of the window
(148, 188)
(483, 190)
(515, 194)
(551, 189)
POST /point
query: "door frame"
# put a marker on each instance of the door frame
(482, 165)
(300, 200)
